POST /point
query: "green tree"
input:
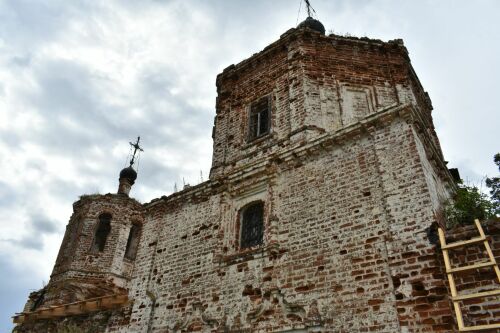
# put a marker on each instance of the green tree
(494, 185)
(468, 204)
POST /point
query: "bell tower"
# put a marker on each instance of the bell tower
(97, 254)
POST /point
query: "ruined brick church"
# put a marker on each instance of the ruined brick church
(326, 185)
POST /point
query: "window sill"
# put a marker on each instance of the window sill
(257, 252)
(258, 140)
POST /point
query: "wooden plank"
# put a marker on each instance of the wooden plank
(471, 267)
(107, 302)
(463, 243)
(121, 299)
(43, 314)
(492, 259)
(91, 306)
(479, 228)
(458, 314)
(477, 295)
(488, 248)
(479, 328)
(451, 281)
(75, 308)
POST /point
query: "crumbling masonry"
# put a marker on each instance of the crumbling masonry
(326, 185)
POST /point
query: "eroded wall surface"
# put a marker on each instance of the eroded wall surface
(345, 244)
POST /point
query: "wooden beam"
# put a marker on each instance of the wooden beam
(479, 328)
(75, 308)
(477, 295)
(464, 243)
(471, 267)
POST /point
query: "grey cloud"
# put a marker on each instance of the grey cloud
(27, 23)
(152, 171)
(68, 91)
(11, 138)
(31, 242)
(66, 87)
(38, 226)
(8, 195)
(36, 164)
(42, 224)
(21, 61)
(15, 285)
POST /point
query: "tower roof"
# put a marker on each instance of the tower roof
(129, 173)
(313, 24)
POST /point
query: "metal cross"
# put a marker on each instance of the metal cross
(136, 148)
(309, 8)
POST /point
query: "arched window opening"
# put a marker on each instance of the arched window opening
(133, 242)
(102, 232)
(252, 225)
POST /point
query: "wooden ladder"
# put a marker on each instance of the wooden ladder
(450, 271)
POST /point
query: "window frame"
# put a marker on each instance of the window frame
(241, 221)
(250, 135)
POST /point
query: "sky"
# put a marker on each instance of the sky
(80, 79)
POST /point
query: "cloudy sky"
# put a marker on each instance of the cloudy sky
(79, 79)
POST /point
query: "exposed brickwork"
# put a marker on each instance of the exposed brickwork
(352, 179)
(81, 273)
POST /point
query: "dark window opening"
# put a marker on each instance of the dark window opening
(252, 225)
(132, 242)
(102, 232)
(259, 122)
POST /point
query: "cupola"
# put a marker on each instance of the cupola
(312, 24)
(128, 175)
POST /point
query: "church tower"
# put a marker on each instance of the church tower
(98, 251)
(327, 178)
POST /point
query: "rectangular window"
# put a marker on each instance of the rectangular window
(252, 225)
(259, 122)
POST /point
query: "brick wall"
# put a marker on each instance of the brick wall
(345, 243)
(80, 273)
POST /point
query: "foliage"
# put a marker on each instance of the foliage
(470, 203)
(494, 184)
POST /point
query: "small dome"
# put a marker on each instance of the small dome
(129, 173)
(312, 24)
